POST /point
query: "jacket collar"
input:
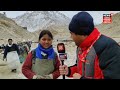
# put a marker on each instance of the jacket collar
(90, 39)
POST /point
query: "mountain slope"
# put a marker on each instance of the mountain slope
(37, 20)
(9, 29)
(112, 30)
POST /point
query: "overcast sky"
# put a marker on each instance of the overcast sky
(97, 15)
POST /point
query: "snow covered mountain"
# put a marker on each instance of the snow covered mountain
(38, 20)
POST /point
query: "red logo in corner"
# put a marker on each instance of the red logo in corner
(107, 18)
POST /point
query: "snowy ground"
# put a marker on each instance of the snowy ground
(5, 72)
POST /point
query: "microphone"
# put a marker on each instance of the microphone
(62, 54)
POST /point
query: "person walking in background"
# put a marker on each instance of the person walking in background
(11, 54)
(98, 56)
(42, 62)
(23, 52)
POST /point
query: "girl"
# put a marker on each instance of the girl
(42, 63)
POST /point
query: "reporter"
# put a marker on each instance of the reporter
(97, 55)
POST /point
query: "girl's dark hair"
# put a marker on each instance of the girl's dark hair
(44, 32)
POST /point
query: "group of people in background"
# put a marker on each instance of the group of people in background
(15, 53)
(98, 56)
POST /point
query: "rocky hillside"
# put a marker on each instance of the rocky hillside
(54, 21)
(10, 29)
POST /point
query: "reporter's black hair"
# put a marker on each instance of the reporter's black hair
(9, 39)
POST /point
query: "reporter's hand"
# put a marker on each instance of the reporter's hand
(76, 76)
(63, 70)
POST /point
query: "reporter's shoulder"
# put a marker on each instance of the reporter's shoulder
(104, 42)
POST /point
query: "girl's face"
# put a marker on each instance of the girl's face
(46, 41)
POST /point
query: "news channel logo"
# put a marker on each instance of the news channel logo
(63, 56)
(107, 18)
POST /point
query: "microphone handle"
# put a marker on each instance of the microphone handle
(63, 64)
